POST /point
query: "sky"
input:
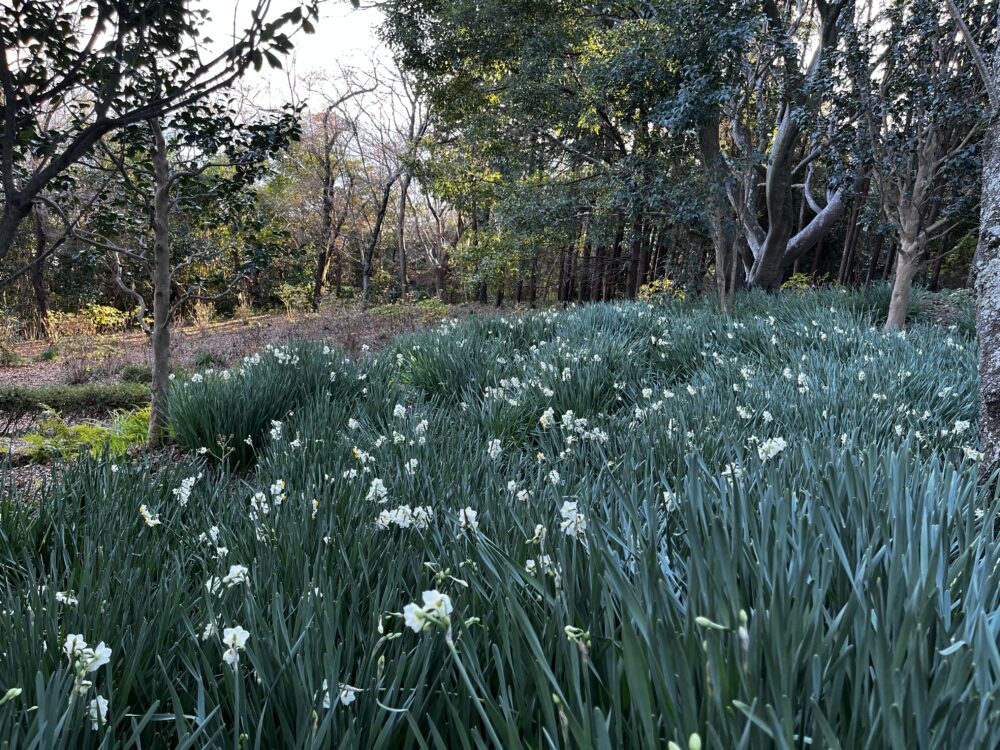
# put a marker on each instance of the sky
(344, 36)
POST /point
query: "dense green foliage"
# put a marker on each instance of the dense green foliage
(56, 438)
(765, 530)
(89, 398)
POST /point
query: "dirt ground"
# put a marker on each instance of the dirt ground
(224, 343)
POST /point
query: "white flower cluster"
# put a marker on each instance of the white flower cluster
(405, 517)
(183, 493)
(86, 661)
(573, 523)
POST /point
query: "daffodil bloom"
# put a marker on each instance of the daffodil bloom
(467, 519)
(98, 712)
(74, 644)
(235, 639)
(237, 574)
(573, 523)
(771, 448)
(95, 658)
(150, 519)
(436, 609)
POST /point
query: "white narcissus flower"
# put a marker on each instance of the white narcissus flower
(771, 448)
(74, 645)
(377, 492)
(235, 639)
(237, 574)
(436, 610)
(573, 523)
(493, 449)
(150, 519)
(414, 617)
(467, 519)
(437, 603)
(98, 712)
(97, 657)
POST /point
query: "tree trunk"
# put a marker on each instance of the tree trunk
(890, 260)
(873, 261)
(635, 250)
(404, 186)
(37, 273)
(987, 264)
(533, 283)
(935, 280)
(161, 288)
(907, 265)
(368, 253)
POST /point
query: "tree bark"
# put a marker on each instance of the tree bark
(635, 250)
(404, 187)
(873, 261)
(161, 288)
(37, 273)
(907, 265)
(987, 264)
(368, 253)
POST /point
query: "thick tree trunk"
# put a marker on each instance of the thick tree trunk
(907, 264)
(161, 288)
(987, 264)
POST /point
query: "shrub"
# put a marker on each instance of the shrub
(55, 438)
(297, 298)
(49, 354)
(202, 360)
(660, 288)
(203, 313)
(91, 399)
(136, 373)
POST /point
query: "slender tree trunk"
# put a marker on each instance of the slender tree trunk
(161, 287)
(37, 273)
(890, 260)
(571, 274)
(611, 264)
(817, 257)
(635, 251)
(561, 282)
(533, 283)
(873, 261)
(404, 187)
(369, 252)
(935, 280)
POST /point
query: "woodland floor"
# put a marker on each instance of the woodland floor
(225, 343)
